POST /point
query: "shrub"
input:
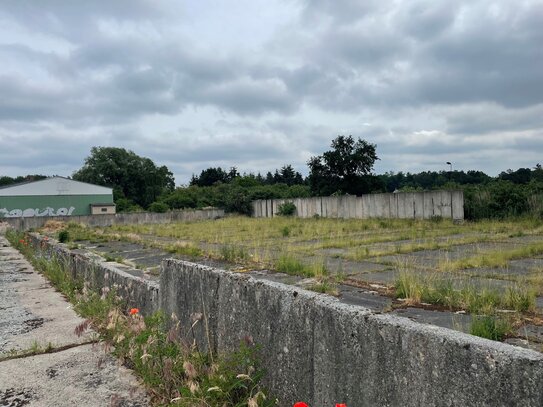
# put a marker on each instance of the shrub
(158, 207)
(63, 236)
(286, 209)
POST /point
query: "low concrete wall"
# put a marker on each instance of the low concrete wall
(323, 352)
(119, 218)
(319, 350)
(137, 289)
(402, 205)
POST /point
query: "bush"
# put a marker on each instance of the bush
(158, 207)
(286, 209)
(63, 236)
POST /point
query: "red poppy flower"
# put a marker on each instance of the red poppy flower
(300, 404)
(134, 311)
(341, 405)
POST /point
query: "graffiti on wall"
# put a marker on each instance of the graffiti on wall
(30, 212)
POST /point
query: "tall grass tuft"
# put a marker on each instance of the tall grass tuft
(490, 327)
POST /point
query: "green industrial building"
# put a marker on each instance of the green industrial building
(55, 196)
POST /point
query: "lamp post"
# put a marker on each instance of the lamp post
(450, 170)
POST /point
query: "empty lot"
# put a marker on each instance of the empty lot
(485, 277)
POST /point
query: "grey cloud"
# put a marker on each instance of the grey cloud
(483, 119)
(421, 53)
(74, 19)
(466, 70)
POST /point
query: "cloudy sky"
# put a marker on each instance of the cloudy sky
(259, 84)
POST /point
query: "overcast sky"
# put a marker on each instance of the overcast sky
(260, 84)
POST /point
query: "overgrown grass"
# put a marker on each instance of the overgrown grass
(176, 372)
(179, 374)
(493, 259)
(289, 264)
(183, 249)
(435, 289)
(233, 253)
(490, 327)
(254, 242)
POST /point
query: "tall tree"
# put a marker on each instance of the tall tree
(131, 176)
(212, 175)
(344, 169)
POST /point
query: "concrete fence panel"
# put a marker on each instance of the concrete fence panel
(458, 205)
(418, 205)
(403, 205)
(446, 204)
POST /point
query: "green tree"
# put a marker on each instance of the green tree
(344, 169)
(132, 177)
(211, 176)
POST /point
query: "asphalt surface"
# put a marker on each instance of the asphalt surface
(76, 371)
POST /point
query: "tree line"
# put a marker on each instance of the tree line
(347, 168)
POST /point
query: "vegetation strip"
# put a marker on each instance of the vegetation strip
(174, 370)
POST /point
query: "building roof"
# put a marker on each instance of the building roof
(54, 186)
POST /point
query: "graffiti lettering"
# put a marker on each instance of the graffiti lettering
(31, 212)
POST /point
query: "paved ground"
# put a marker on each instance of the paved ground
(75, 371)
(366, 277)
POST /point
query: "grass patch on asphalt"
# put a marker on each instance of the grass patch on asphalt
(493, 259)
(461, 294)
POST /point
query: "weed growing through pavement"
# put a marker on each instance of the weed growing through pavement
(460, 294)
(490, 327)
(494, 259)
(35, 348)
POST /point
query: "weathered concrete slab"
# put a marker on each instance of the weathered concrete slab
(445, 319)
(364, 298)
(34, 316)
(80, 376)
(531, 332)
(31, 311)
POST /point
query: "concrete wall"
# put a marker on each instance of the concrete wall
(402, 205)
(119, 218)
(137, 288)
(322, 351)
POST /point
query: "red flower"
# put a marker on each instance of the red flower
(300, 404)
(341, 405)
(134, 311)
(21, 241)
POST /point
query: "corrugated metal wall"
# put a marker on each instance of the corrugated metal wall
(49, 205)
